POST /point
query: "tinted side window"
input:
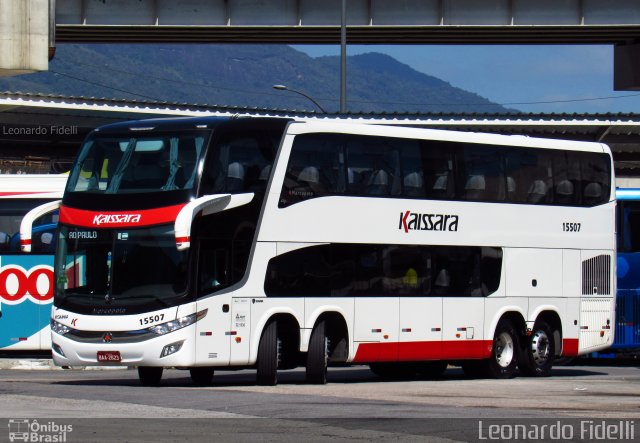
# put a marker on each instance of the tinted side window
(316, 168)
(529, 176)
(596, 178)
(481, 173)
(435, 162)
(43, 235)
(374, 166)
(566, 169)
(628, 213)
(238, 163)
(385, 270)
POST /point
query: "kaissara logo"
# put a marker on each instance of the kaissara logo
(116, 218)
(415, 221)
(18, 284)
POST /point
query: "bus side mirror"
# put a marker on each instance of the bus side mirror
(26, 226)
(209, 204)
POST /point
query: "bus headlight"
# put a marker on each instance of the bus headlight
(59, 328)
(180, 323)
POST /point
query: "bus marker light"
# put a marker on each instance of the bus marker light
(231, 333)
(238, 339)
(376, 330)
(406, 330)
(601, 333)
(385, 336)
(206, 334)
(457, 335)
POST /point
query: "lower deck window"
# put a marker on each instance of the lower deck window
(385, 270)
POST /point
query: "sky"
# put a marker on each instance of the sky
(567, 78)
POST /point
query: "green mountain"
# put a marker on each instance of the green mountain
(243, 75)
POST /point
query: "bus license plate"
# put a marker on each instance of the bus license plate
(109, 356)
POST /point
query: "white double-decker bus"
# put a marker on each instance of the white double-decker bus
(269, 243)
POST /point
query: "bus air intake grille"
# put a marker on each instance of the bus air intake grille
(596, 275)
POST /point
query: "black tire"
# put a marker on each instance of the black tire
(538, 351)
(268, 356)
(318, 356)
(504, 353)
(149, 375)
(431, 369)
(201, 376)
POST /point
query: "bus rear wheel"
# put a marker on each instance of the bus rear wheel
(318, 355)
(201, 376)
(538, 351)
(149, 375)
(268, 356)
(503, 361)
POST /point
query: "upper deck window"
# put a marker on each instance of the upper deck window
(158, 162)
(371, 166)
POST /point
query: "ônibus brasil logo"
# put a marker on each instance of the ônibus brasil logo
(116, 218)
(414, 221)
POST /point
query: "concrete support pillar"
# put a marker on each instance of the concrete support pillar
(24, 36)
(626, 67)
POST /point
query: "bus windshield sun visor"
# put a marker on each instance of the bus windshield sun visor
(209, 204)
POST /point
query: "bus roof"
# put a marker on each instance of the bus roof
(180, 123)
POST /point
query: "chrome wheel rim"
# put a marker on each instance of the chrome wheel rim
(540, 347)
(504, 349)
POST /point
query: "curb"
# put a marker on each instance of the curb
(46, 364)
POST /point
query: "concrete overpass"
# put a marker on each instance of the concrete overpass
(28, 27)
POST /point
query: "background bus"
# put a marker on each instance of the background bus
(215, 242)
(26, 281)
(627, 336)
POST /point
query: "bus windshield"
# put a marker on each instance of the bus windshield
(110, 164)
(140, 267)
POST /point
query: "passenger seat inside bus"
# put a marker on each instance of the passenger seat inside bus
(378, 183)
(537, 192)
(474, 188)
(564, 193)
(413, 185)
(235, 177)
(592, 193)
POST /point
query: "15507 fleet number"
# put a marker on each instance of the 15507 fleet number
(571, 227)
(151, 319)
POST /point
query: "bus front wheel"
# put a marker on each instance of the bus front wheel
(149, 375)
(201, 376)
(538, 351)
(268, 356)
(318, 355)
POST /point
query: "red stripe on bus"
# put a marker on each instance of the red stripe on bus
(9, 194)
(423, 350)
(569, 347)
(119, 219)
